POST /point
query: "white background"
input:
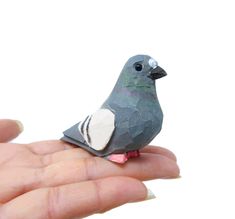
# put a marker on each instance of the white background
(60, 59)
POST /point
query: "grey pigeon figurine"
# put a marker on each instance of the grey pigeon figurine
(129, 119)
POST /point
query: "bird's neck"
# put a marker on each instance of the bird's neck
(134, 90)
(135, 85)
(124, 95)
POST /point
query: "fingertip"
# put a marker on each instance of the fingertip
(152, 166)
(173, 171)
(135, 190)
(9, 129)
(131, 189)
(159, 150)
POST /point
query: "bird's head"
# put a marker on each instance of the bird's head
(145, 67)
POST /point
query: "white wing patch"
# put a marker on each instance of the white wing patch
(98, 128)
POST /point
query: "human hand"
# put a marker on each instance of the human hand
(54, 180)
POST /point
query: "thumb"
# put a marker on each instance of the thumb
(9, 129)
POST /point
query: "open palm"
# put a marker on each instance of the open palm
(52, 179)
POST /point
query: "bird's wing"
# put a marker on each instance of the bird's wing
(97, 129)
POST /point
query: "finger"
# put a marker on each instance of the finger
(75, 200)
(18, 180)
(48, 147)
(159, 150)
(146, 167)
(53, 146)
(9, 129)
(77, 153)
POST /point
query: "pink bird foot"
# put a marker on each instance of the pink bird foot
(122, 158)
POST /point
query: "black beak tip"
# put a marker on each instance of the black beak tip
(157, 73)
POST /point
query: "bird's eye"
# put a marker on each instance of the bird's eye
(138, 67)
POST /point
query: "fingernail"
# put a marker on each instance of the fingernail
(20, 125)
(150, 195)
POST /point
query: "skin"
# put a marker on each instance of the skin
(57, 181)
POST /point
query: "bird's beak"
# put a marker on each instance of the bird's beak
(157, 73)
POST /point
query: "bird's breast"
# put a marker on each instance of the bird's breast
(137, 122)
